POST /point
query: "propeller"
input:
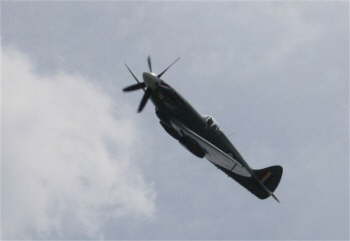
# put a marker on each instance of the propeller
(149, 63)
(166, 69)
(133, 75)
(142, 85)
(134, 87)
(144, 100)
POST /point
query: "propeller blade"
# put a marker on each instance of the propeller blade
(149, 63)
(166, 69)
(134, 87)
(133, 75)
(144, 100)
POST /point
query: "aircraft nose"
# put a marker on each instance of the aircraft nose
(146, 75)
(149, 78)
(149, 75)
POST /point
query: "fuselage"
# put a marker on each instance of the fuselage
(171, 106)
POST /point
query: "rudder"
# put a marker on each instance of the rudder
(270, 176)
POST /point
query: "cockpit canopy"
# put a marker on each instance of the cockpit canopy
(211, 122)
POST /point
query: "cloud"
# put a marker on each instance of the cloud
(66, 161)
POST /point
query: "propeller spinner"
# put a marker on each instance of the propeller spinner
(149, 83)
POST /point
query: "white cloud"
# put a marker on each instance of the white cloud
(59, 173)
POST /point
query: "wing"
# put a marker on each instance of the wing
(214, 154)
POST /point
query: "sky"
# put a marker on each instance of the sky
(78, 162)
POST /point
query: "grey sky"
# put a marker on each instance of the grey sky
(275, 76)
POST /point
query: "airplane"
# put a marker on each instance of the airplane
(201, 135)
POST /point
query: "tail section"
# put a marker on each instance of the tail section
(263, 182)
(270, 176)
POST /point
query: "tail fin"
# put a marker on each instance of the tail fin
(270, 176)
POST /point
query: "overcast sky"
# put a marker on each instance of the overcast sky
(78, 162)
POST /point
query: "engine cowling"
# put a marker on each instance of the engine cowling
(171, 131)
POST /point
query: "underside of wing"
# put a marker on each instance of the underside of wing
(217, 156)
